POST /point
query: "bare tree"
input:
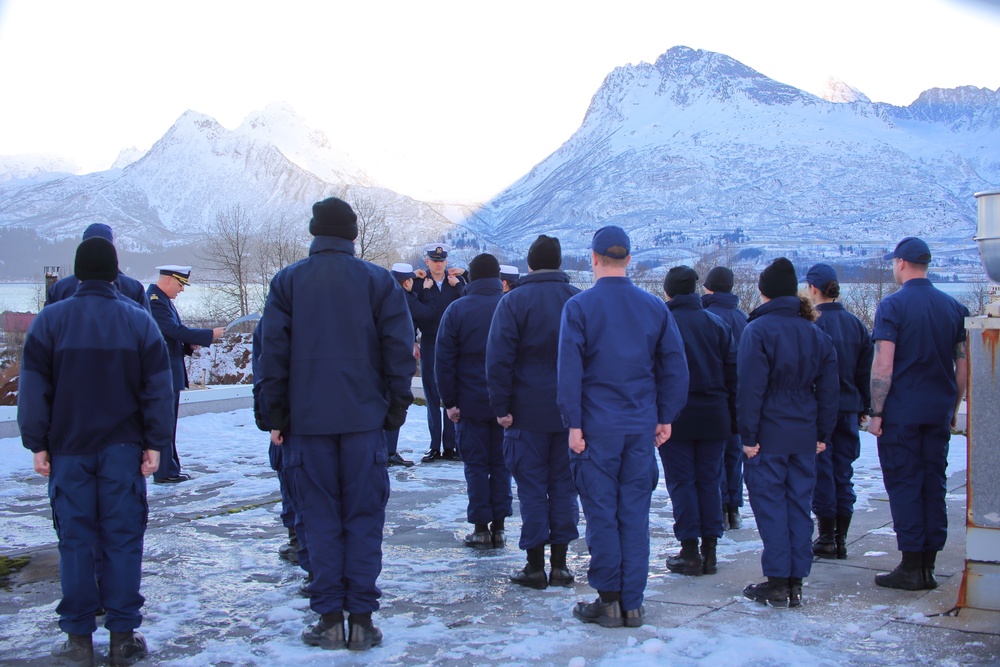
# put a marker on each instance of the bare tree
(278, 245)
(977, 295)
(228, 253)
(375, 241)
(874, 282)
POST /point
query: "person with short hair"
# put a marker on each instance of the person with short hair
(95, 408)
(833, 498)
(719, 300)
(460, 368)
(918, 381)
(128, 288)
(331, 391)
(692, 458)
(521, 355)
(786, 406)
(622, 381)
(181, 341)
(439, 287)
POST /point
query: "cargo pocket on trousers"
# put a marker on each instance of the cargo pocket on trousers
(382, 470)
(510, 445)
(53, 494)
(140, 490)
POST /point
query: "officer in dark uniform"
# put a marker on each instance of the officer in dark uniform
(439, 287)
(95, 408)
(128, 288)
(181, 341)
(622, 381)
(460, 368)
(918, 381)
(719, 300)
(331, 390)
(833, 500)
(521, 355)
(692, 458)
(786, 410)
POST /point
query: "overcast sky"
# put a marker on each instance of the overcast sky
(449, 99)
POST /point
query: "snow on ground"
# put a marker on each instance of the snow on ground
(217, 594)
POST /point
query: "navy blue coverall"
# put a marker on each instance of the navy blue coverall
(727, 307)
(337, 349)
(786, 402)
(621, 372)
(926, 325)
(441, 428)
(179, 340)
(460, 368)
(95, 392)
(692, 458)
(834, 494)
(521, 355)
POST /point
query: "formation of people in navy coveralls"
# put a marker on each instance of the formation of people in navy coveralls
(572, 394)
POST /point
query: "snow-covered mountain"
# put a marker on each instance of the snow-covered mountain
(696, 148)
(273, 165)
(34, 166)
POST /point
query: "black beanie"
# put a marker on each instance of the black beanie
(484, 266)
(96, 259)
(680, 280)
(334, 217)
(719, 279)
(778, 279)
(545, 253)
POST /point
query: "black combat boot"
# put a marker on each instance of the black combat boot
(688, 561)
(498, 534)
(773, 592)
(290, 551)
(606, 610)
(480, 537)
(304, 585)
(843, 525)
(929, 560)
(75, 651)
(127, 648)
(907, 576)
(560, 574)
(725, 516)
(533, 574)
(363, 634)
(734, 520)
(709, 563)
(825, 546)
(327, 633)
(794, 591)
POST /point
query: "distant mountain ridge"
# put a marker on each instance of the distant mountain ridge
(697, 148)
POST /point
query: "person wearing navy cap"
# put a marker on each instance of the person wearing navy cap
(438, 287)
(918, 381)
(719, 300)
(833, 498)
(181, 341)
(128, 288)
(521, 355)
(692, 458)
(508, 276)
(622, 381)
(95, 408)
(786, 406)
(331, 392)
(460, 368)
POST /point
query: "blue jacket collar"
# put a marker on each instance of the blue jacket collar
(331, 244)
(721, 299)
(685, 302)
(918, 282)
(833, 305)
(97, 288)
(546, 276)
(485, 286)
(785, 306)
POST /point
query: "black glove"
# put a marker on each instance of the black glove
(396, 417)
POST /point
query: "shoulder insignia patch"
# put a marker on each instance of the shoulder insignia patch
(153, 297)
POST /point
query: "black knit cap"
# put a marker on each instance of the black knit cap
(778, 279)
(334, 217)
(680, 280)
(484, 266)
(96, 259)
(545, 253)
(719, 279)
